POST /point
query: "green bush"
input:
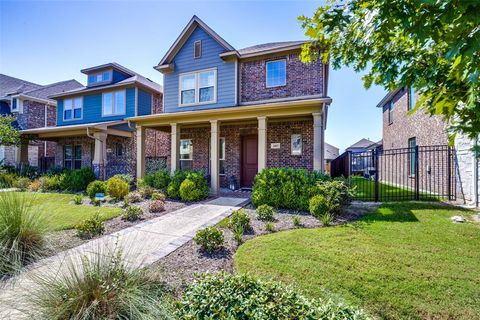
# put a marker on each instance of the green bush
(265, 212)
(101, 285)
(285, 187)
(319, 205)
(128, 178)
(156, 206)
(133, 197)
(239, 218)
(241, 296)
(337, 191)
(77, 199)
(173, 189)
(158, 196)
(51, 183)
(22, 232)
(95, 187)
(22, 183)
(209, 239)
(132, 213)
(90, 227)
(116, 188)
(7, 179)
(194, 187)
(77, 180)
(158, 180)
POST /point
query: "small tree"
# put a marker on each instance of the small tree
(9, 135)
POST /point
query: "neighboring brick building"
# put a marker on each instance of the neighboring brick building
(234, 112)
(29, 103)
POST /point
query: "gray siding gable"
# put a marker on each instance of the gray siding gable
(184, 61)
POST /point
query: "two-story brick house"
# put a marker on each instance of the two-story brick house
(234, 112)
(91, 130)
(30, 104)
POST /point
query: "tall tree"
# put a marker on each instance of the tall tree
(430, 45)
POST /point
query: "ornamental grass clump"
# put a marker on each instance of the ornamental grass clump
(100, 286)
(22, 231)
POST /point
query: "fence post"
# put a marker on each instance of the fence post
(349, 158)
(375, 165)
(417, 177)
(449, 174)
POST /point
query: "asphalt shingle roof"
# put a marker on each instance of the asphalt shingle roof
(54, 88)
(362, 143)
(269, 46)
(10, 85)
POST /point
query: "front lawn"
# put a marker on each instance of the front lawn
(60, 213)
(405, 260)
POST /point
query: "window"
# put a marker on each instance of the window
(198, 87)
(99, 77)
(197, 50)
(186, 154)
(412, 143)
(72, 109)
(276, 74)
(113, 103)
(72, 157)
(390, 112)
(14, 104)
(411, 99)
(77, 161)
(296, 144)
(67, 156)
(119, 149)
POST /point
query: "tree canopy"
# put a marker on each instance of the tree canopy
(9, 135)
(430, 45)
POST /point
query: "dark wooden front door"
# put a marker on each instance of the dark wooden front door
(249, 165)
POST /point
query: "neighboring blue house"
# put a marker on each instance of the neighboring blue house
(91, 130)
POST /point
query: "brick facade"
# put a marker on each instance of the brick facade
(302, 79)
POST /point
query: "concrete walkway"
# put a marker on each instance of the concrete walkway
(142, 245)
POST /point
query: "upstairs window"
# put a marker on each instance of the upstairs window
(72, 109)
(390, 112)
(412, 101)
(198, 87)
(197, 50)
(14, 104)
(113, 103)
(276, 74)
(99, 77)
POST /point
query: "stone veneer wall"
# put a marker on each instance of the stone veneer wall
(302, 79)
(466, 166)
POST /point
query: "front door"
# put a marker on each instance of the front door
(249, 164)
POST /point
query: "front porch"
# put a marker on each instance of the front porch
(233, 144)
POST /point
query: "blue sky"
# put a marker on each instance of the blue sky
(46, 42)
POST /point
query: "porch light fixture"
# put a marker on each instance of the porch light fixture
(232, 183)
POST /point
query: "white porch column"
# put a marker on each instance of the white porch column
(100, 154)
(318, 162)
(214, 149)
(175, 145)
(262, 143)
(140, 152)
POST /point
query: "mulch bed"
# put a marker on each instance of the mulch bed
(179, 268)
(66, 239)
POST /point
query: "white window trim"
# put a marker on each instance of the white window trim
(190, 154)
(73, 110)
(19, 105)
(222, 159)
(266, 73)
(194, 46)
(113, 114)
(197, 88)
(97, 73)
(298, 152)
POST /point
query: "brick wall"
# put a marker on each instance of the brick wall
(302, 79)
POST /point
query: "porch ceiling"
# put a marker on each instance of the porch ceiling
(239, 113)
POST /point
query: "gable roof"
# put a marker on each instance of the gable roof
(361, 144)
(186, 32)
(272, 46)
(113, 65)
(389, 96)
(10, 85)
(331, 152)
(54, 88)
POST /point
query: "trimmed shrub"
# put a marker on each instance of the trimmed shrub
(132, 213)
(210, 239)
(50, 183)
(239, 218)
(156, 206)
(265, 212)
(319, 205)
(35, 185)
(194, 187)
(78, 199)
(95, 187)
(158, 196)
(128, 178)
(101, 285)
(22, 183)
(173, 189)
(146, 191)
(241, 296)
(158, 180)
(285, 187)
(133, 197)
(337, 191)
(22, 232)
(90, 227)
(77, 180)
(116, 188)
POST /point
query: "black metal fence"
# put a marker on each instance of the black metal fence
(417, 173)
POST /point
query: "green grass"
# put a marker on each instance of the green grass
(60, 213)
(403, 261)
(365, 191)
